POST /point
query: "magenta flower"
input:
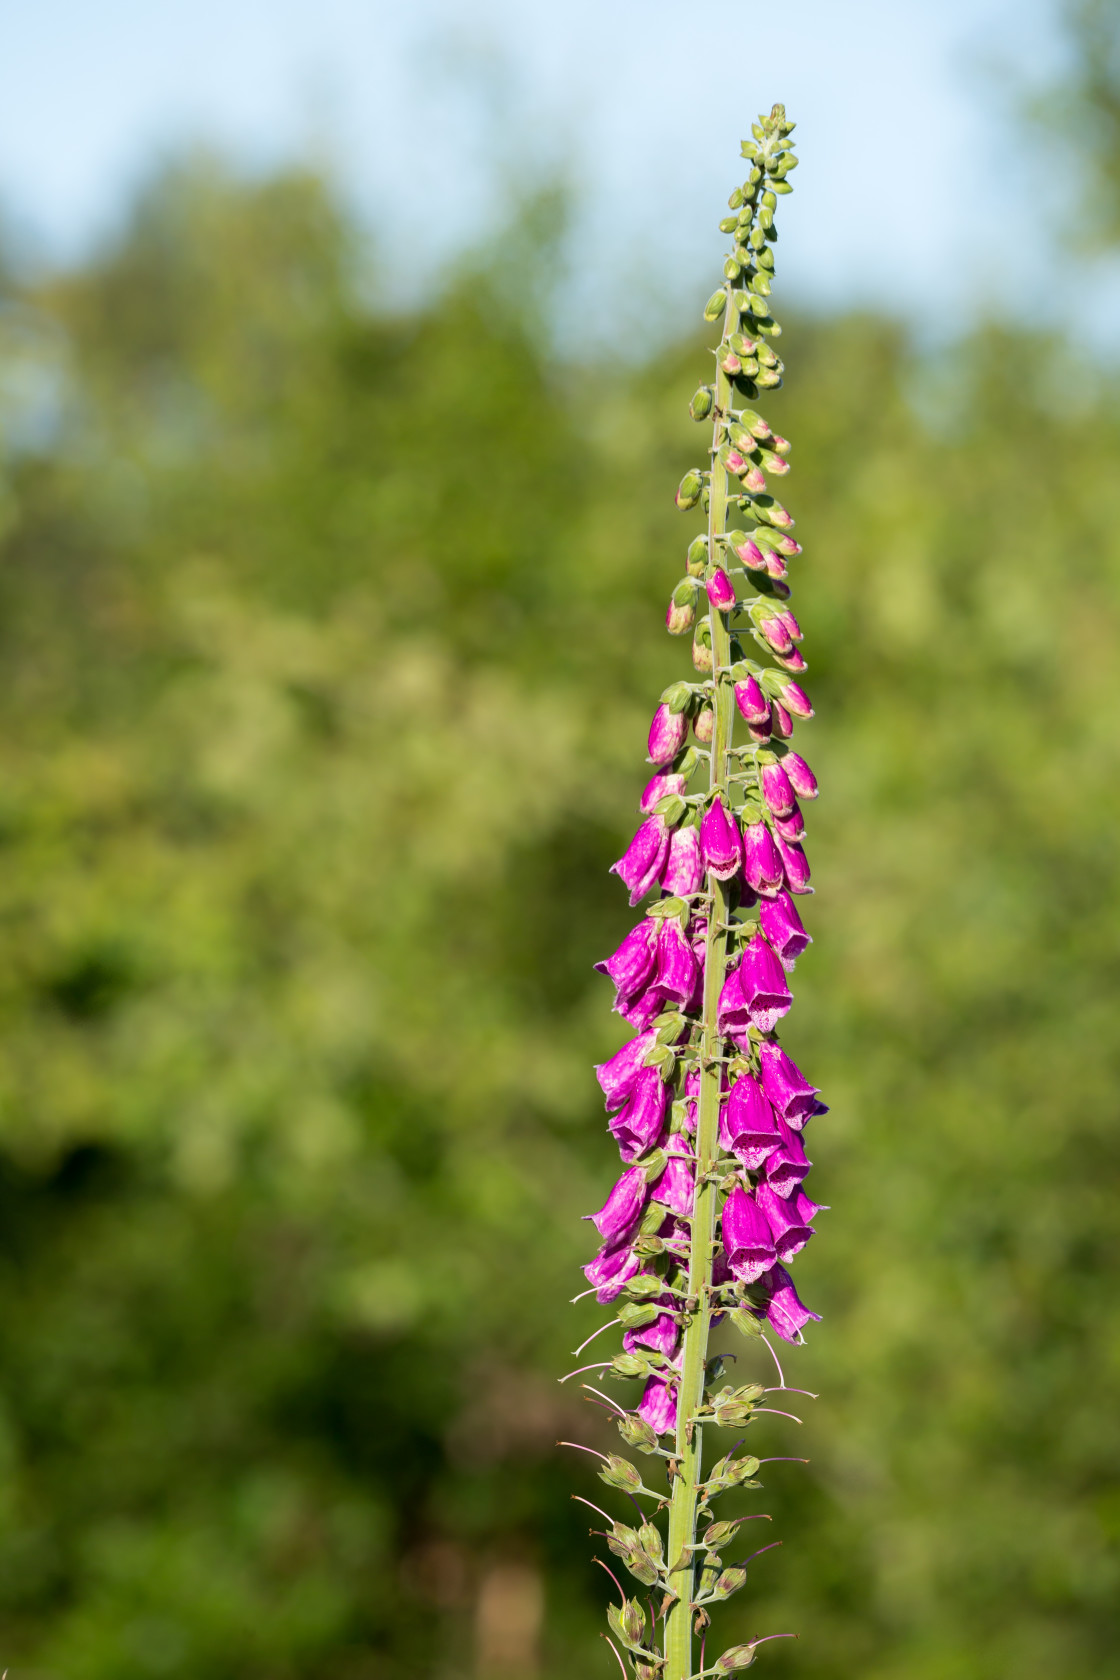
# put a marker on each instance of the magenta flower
(788, 1166)
(788, 1227)
(748, 1126)
(720, 845)
(785, 1310)
(657, 788)
(639, 1123)
(786, 1086)
(610, 1271)
(747, 1243)
(677, 968)
(666, 735)
(721, 591)
(677, 1183)
(752, 703)
(662, 1334)
(782, 926)
(762, 861)
(618, 1076)
(732, 1019)
(633, 963)
(658, 1405)
(777, 789)
(766, 997)
(802, 779)
(795, 864)
(623, 1207)
(644, 858)
(683, 873)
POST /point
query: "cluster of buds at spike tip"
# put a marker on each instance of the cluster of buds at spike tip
(708, 1111)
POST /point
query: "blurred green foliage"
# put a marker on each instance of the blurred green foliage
(329, 639)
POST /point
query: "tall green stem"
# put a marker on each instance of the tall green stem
(689, 1440)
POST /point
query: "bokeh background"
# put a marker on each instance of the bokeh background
(344, 360)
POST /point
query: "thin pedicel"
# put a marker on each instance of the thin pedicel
(708, 1111)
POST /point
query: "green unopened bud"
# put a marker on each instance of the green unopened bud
(773, 513)
(688, 494)
(632, 1313)
(729, 224)
(766, 218)
(781, 186)
(645, 1283)
(760, 283)
(642, 1567)
(637, 1433)
(755, 424)
(731, 268)
(715, 305)
(758, 239)
(718, 1534)
(681, 615)
(701, 405)
(735, 1657)
(769, 379)
(678, 697)
(650, 1537)
(697, 557)
(742, 345)
(748, 149)
(652, 1221)
(630, 1365)
(758, 131)
(769, 202)
(765, 259)
(773, 463)
(735, 200)
(760, 309)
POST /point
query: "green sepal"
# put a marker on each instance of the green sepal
(642, 1284)
(666, 907)
(653, 1219)
(618, 1472)
(697, 554)
(730, 1581)
(634, 1315)
(735, 1657)
(678, 697)
(688, 491)
(672, 808)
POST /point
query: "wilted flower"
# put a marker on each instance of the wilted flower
(611, 1270)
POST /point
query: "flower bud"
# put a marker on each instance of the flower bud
(715, 305)
(696, 560)
(666, 734)
(752, 703)
(754, 479)
(704, 724)
(729, 361)
(688, 493)
(720, 844)
(768, 379)
(801, 778)
(702, 657)
(771, 627)
(731, 268)
(796, 865)
(701, 405)
(780, 721)
(681, 613)
(730, 1581)
(777, 789)
(746, 550)
(791, 828)
(785, 544)
(734, 460)
(656, 788)
(735, 1657)
(795, 700)
(780, 445)
(728, 224)
(721, 592)
(774, 464)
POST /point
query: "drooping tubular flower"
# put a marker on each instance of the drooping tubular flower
(708, 1110)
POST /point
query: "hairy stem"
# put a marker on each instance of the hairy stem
(689, 1443)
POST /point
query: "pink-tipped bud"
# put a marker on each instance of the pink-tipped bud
(747, 551)
(780, 445)
(794, 660)
(793, 629)
(802, 779)
(735, 461)
(774, 464)
(721, 591)
(777, 789)
(666, 735)
(775, 565)
(658, 787)
(729, 362)
(780, 721)
(787, 545)
(752, 703)
(773, 631)
(704, 726)
(681, 613)
(795, 700)
(754, 480)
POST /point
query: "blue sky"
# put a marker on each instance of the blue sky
(917, 189)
